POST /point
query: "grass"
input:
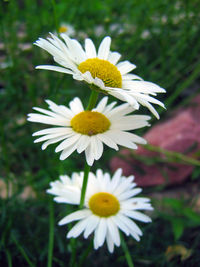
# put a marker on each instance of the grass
(162, 39)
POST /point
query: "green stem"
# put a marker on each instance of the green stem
(126, 252)
(51, 232)
(73, 246)
(92, 100)
(84, 186)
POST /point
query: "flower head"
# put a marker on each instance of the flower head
(87, 130)
(101, 70)
(66, 28)
(110, 205)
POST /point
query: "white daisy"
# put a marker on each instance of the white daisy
(66, 28)
(101, 70)
(85, 130)
(110, 205)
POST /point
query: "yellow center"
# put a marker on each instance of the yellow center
(104, 204)
(63, 29)
(104, 70)
(90, 123)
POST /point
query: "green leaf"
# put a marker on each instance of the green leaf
(177, 227)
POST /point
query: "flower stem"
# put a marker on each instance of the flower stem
(92, 100)
(126, 252)
(51, 233)
(73, 244)
(84, 186)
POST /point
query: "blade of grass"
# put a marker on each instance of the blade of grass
(85, 254)
(55, 14)
(194, 75)
(22, 251)
(9, 258)
(173, 155)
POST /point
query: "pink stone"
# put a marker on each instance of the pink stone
(179, 133)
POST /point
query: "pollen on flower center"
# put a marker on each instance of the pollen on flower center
(63, 29)
(104, 204)
(104, 70)
(90, 123)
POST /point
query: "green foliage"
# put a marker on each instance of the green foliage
(162, 39)
(180, 215)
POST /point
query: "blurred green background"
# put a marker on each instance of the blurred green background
(162, 39)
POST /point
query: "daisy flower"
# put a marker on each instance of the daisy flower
(88, 130)
(66, 28)
(101, 69)
(110, 205)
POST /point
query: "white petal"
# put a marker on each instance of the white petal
(77, 229)
(52, 130)
(121, 138)
(76, 105)
(101, 232)
(124, 186)
(67, 152)
(53, 141)
(108, 108)
(47, 120)
(97, 147)
(69, 142)
(113, 231)
(75, 216)
(91, 226)
(99, 83)
(148, 98)
(83, 143)
(122, 226)
(129, 194)
(88, 77)
(54, 68)
(133, 228)
(124, 96)
(47, 112)
(104, 48)
(131, 122)
(90, 48)
(137, 216)
(60, 109)
(150, 107)
(89, 155)
(131, 77)
(108, 141)
(77, 53)
(114, 57)
(125, 67)
(101, 105)
(109, 242)
(116, 180)
(50, 136)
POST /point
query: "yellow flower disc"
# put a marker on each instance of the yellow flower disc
(104, 204)
(90, 123)
(63, 29)
(104, 70)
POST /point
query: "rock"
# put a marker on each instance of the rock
(180, 133)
